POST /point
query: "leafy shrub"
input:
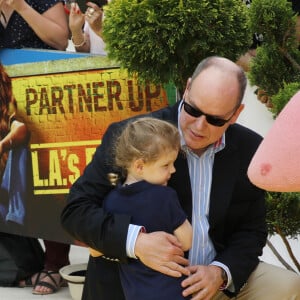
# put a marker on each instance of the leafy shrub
(277, 61)
(270, 69)
(164, 40)
(283, 211)
(283, 96)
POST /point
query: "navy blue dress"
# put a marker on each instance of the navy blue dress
(157, 208)
(18, 34)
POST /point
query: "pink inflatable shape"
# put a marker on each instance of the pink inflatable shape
(276, 164)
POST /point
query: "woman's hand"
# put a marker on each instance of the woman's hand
(76, 18)
(17, 5)
(94, 16)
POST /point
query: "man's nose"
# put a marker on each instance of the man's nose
(201, 122)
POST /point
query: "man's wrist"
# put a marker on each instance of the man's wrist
(142, 231)
(225, 280)
(226, 276)
(133, 232)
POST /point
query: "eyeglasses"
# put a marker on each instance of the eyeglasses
(212, 120)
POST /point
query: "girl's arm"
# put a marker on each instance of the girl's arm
(184, 234)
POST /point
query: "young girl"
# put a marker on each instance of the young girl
(146, 151)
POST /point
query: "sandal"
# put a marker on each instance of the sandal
(32, 280)
(53, 285)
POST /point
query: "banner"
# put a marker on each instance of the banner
(67, 105)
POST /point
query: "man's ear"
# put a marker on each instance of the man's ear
(237, 113)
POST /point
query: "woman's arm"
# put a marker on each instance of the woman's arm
(18, 135)
(51, 26)
(76, 21)
(93, 17)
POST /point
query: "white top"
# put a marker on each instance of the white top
(97, 44)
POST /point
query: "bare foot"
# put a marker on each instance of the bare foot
(31, 281)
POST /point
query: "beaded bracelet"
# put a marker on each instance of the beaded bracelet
(78, 45)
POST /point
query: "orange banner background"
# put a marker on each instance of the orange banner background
(67, 113)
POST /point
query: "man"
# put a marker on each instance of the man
(227, 211)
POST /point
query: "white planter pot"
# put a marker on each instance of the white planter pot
(75, 277)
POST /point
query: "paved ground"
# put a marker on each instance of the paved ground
(255, 116)
(77, 255)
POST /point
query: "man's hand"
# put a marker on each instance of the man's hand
(162, 252)
(203, 283)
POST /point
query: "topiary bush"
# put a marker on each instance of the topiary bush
(164, 40)
(283, 211)
(269, 69)
(283, 96)
(275, 20)
(277, 61)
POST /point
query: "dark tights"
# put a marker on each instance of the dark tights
(56, 255)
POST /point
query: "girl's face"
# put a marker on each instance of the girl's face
(160, 171)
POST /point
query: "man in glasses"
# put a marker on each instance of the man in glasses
(227, 212)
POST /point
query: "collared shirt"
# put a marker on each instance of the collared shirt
(200, 170)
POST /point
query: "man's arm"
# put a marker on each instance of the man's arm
(84, 217)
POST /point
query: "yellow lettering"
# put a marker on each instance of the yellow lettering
(73, 159)
(54, 169)
(35, 169)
